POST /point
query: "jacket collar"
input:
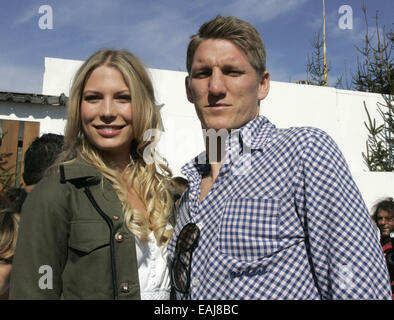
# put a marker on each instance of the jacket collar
(84, 175)
(78, 169)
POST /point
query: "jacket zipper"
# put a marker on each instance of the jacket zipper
(112, 244)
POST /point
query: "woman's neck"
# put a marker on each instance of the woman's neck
(117, 163)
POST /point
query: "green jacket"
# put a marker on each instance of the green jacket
(73, 243)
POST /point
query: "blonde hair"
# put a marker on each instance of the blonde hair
(144, 178)
(9, 226)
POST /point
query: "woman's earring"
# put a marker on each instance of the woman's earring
(80, 135)
(131, 161)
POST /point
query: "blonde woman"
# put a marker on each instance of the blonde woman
(10, 207)
(98, 228)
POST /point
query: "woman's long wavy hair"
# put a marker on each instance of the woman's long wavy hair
(149, 180)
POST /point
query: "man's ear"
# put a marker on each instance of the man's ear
(264, 85)
(188, 91)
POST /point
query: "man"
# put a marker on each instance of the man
(383, 215)
(272, 213)
(40, 155)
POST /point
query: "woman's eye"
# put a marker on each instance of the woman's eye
(124, 98)
(91, 98)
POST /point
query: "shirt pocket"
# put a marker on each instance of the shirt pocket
(249, 228)
(88, 236)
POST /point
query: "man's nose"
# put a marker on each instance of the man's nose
(216, 83)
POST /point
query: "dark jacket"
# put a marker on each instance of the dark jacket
(72, 225)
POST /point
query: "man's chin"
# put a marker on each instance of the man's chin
(221, 125)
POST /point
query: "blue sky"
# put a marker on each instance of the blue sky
(157, 31)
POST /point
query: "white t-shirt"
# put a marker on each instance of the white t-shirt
(153, 272)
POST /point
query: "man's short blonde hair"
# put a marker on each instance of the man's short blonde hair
(240, 32)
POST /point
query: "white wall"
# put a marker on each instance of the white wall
(339, 112)
(52, 118)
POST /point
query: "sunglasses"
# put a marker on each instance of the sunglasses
(180, 268)
(6, 260)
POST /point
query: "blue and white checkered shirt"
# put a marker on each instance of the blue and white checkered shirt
(291, 226)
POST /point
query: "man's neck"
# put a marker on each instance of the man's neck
(215, 147)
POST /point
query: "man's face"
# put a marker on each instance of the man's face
(224, 86)
(385, 222)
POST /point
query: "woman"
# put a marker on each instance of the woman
(98, 228)
(10, 205)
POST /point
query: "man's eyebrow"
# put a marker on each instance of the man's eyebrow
(202, 66)
(231, 66)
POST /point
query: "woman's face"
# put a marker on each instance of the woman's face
(106, 114)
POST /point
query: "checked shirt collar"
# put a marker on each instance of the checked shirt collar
(252, 136)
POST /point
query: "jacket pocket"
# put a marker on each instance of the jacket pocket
(87, 236)
(87, 274)
(249, 228)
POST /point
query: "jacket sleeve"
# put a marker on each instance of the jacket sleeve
(344, 249)
(41, 249)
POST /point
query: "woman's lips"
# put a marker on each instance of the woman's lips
(109, 131)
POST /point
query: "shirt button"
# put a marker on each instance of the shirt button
(195, 282)
(116, 218)
(119, 237)
(124, 287)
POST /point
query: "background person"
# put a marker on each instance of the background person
(40, 156)
(98, 228)
(10, 207)
(179, 186)
(383, 216)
